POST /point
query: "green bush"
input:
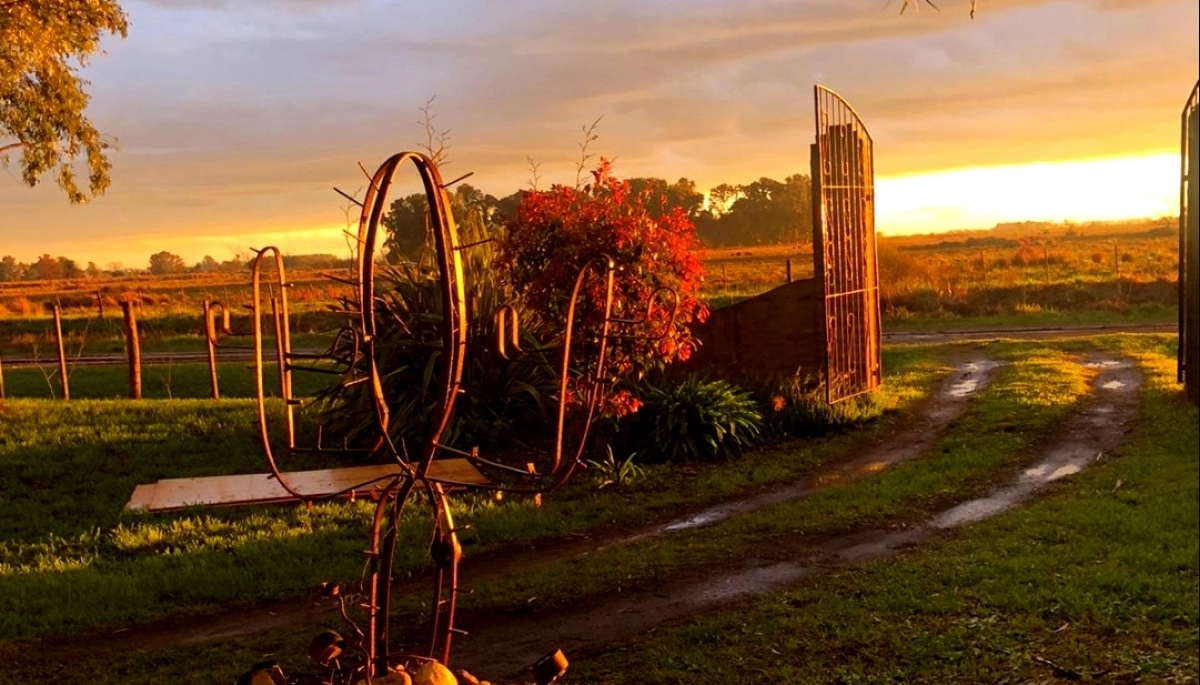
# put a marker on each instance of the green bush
(692, 420)
(500, 398)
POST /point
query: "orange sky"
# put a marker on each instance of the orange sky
(235, 121)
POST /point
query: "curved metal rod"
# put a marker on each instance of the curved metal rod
(210, 321)
(447, 553)
(508, 331)
(283, 348)
(449, 261)
(509, 334)
(449, 370)
(210, 326)
(646, 318)
(383, 552)
(607, 267)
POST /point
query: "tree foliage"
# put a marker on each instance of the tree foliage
(554, 233)
(765, 211)
(43, 45)
(164, 262)
(407, 227)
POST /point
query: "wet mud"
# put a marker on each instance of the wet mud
(503, 645)
(949, 400)
(509, 645)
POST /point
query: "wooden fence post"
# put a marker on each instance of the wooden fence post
(62, 354)
(134, 348)
(788, 265)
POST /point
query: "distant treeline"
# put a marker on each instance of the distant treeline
(762, 212)
(164, 263)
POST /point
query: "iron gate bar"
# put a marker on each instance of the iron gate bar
(1189, 157)
(844, 221)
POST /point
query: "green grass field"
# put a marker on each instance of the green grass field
(1097, 576)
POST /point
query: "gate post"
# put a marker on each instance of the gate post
(1189, 242)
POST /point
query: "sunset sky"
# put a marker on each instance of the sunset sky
(235, 120)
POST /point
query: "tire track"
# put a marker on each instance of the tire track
(507, 645)
(929, 421)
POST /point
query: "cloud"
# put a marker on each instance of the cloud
(239, 117)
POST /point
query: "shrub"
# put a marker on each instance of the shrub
(692, 420)
(500, 398)
(554, 233)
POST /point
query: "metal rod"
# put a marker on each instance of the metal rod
(210, 343)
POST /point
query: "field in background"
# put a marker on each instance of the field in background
(1020, 274)
(1015, 274)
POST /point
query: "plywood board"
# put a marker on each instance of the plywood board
(262, 488)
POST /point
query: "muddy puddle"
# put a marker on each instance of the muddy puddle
(509, 646)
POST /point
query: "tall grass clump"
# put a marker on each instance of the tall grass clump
(796, 407)
(689, 420)
(500, 398)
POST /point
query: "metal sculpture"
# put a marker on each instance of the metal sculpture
(845, 262)
(583, 382)
(1189, 241)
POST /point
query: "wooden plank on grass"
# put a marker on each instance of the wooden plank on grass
(262, 488)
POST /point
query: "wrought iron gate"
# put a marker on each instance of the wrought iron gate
(1189, 237)
(844, 246)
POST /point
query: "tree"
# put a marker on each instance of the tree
(681, 195)
(164, 262)
(10, 270)
(405, 226)
(43, 44)
(406, 221)
(68, 268)
(46, 268)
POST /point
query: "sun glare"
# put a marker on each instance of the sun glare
(1084, 190)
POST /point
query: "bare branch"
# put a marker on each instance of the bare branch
(589, 135)
(534, 176)
(437, 143)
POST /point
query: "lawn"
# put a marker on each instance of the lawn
(1098, 576)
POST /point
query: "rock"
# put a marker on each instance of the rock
(395, 678)
(433, 673)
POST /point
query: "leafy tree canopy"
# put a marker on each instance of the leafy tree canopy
(43, 45)
(166, 263)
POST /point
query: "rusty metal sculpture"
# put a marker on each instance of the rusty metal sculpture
(582, 384)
